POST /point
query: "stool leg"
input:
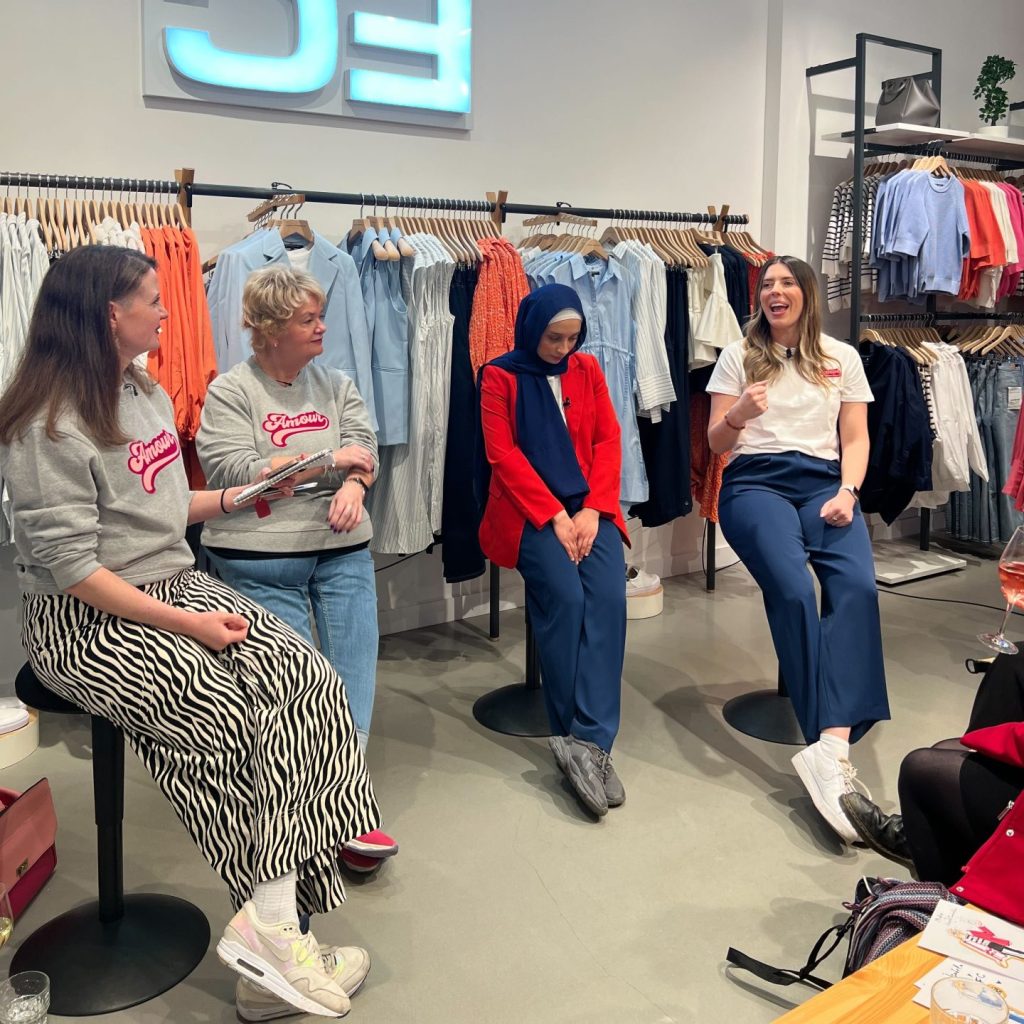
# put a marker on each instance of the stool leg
(108, 793)
(115, 952)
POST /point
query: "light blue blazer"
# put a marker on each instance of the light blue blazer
(347, 341)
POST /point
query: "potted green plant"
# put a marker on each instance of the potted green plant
(994, 101)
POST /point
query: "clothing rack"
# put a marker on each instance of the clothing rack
(186, 188)
(903, 570)
(183, 178)
(945, 148)
(929, 319)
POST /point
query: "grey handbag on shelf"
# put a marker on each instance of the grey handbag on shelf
(907, 100)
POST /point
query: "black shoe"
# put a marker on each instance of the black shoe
(883, 833)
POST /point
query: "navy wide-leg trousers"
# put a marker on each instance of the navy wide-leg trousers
(578, 614)
(832, 663)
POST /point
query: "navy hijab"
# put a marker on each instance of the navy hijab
(541, 433)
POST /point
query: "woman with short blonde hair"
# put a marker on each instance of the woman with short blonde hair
(311, 555)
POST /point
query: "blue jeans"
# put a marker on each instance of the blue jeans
(343, 595)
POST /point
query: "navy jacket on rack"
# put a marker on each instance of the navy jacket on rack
(900, 463)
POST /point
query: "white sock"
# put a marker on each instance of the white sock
(834, 747)
(275, 900)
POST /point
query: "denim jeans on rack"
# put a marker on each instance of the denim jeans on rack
(1008, 378)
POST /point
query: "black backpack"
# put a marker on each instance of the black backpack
(884, 913)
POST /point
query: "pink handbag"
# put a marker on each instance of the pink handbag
(28, 830)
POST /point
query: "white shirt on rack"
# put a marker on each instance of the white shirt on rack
(801, 416)
(957, 448)
(654, 389)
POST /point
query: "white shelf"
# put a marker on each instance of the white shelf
(900, 135)
(954, 141)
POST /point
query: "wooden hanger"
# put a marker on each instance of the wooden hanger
(404, 248)
(289, 224)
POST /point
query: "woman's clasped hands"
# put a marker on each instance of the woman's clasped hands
(577, 533)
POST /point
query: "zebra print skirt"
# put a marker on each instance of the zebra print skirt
(253, 745)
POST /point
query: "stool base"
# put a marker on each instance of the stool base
(516, 710)
(764, 715)
(101, 968)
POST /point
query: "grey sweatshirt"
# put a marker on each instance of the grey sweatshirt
(77, 507)
(250, 418)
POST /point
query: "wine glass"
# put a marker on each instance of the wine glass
(6, 917)
(1011, 579)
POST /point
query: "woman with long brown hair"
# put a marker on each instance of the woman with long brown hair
(791, 405)
(245, 728)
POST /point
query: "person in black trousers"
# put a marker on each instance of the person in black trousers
(951, 798)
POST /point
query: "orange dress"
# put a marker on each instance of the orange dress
(501, 286)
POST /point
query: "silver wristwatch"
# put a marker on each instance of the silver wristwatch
(853, 489)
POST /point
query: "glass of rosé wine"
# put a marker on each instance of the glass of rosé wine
(1011, 579)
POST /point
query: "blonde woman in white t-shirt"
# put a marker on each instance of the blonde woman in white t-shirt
(791, 405)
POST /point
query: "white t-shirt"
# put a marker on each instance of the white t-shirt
(555, 382)
(801, 416)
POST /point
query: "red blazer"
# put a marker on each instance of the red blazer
(517, 494)
(993, 878)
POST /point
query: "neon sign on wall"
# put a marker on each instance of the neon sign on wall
(303, 78)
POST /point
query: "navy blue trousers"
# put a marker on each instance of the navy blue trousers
(832, 663)
(578, 615)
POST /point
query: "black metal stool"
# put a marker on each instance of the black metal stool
(765, 715)
(517, 709)
(117, 951)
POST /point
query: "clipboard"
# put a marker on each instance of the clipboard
(325, 457)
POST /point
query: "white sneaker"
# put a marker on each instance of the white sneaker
(639, 582)
(826, 779)
(283, 960)
(347, 966)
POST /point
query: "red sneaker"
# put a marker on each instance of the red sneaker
(374, 844)
(358, 863)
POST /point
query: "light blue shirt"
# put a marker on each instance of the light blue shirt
(347, 340)
(606, 291)
(388, 321)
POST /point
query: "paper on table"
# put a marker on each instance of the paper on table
(976, 938)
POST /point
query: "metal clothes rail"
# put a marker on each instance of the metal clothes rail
(928, 319)
(189, 190)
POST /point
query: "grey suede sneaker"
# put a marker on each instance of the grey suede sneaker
(613, 788)
(576, 759)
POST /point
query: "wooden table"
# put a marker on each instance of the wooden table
(880, 993)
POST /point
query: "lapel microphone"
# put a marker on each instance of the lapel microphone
(789, 353)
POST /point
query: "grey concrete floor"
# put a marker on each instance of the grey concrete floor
(507, 902)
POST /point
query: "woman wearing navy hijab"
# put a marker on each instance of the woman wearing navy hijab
(552, 512)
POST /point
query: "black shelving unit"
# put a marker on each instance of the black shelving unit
(861, 146)
(867, 140)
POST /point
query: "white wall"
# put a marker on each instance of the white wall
(663, 104)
